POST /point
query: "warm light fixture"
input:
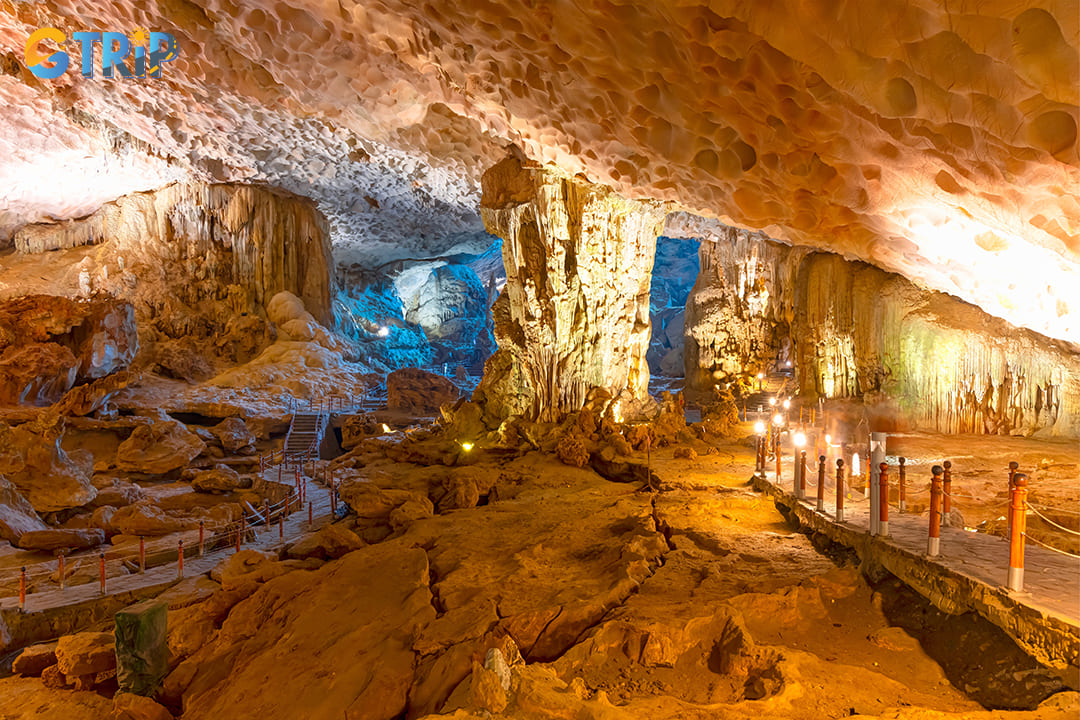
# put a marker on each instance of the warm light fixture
(760, 376)
(799, 439)
(772, 401)
(759, 427)
(787, 404)
(828, 439)
(787, 364)
(466, 446)
(384, 331)
(386, 428)
(778, 420)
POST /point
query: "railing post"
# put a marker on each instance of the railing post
(1013, 467)
(778, 460)
(310, 520)
(180, 558)
(22, 589)
(840, 490)
(883, 499)
(802, 474)
(946, 490)
(142, 554)
(1017, 530)
(821, 484)
(903, 485)
(101, 571)
(60, 562)
(933, 544)
(200, 538)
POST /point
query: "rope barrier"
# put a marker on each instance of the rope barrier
(1048, 520)
(1050, 547)
(1061, 510)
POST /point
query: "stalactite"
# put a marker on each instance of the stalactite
(858, 331)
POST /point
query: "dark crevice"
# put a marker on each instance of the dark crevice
(662, 526)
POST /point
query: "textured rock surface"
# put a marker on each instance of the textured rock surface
(86, 653)
(158, 448)
(142, 656)
(200, 240)
(17, 515)
(56, 539)
(574, 315)
(910, 134)
(44, 474)
(851, 330)
(48, 343)
(418, 391)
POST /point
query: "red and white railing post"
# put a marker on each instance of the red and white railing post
(180, 558)
(1017, 530)
(821, 484)
(883, 499)
(802, 474)
(142, 554)
(840, 490)
(933, 544)
(22, 589)
(201, 544)
(903, 485)
(101, 571)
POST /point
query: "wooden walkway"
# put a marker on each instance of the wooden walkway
(164, 575)
(968, 575)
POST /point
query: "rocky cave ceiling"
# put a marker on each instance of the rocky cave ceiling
(935, 139)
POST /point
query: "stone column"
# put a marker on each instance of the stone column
(573, 319)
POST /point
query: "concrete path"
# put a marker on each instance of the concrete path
(969, 573)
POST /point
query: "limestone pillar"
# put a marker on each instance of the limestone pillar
(573, 317)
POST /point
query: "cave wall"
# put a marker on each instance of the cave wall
(572, 321)
(852, 330)
(241, 244)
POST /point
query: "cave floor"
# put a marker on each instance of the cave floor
(697, 601)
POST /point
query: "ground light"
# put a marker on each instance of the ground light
(778, 420)
(799, 439)
(466, 446)
(384, 331)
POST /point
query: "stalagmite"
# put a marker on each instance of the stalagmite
(574, 315)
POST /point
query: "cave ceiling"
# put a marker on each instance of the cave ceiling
(934, 139)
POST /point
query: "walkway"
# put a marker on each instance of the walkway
(969, 574)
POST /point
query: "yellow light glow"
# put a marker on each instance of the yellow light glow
(799, 439)
(760, 376)
(466, 446)
(778, 420)
(828, 439)
(386, 428)
(772, 401)
(787, 404)
(759, 427)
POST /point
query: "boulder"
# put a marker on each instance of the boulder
(417, 391)
(39, 373)
(246, 566)
(234, 436)
(329, 543)
(107, 340)
(218, 479)
(17, 516)
(142, 518)
(49, 478)
(129, 706)
(370, 502)
(85, 399)
(158, 448)
(245, 337)
(120, 494)
(60, 539)
(32, 661)
(86, 653)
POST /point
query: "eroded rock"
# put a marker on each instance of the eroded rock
(158, 448)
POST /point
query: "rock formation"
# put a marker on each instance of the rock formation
(192, 258)
(49, 343)
(847, 329)
(574, 315)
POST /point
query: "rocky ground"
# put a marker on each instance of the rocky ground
(489, 583)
